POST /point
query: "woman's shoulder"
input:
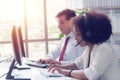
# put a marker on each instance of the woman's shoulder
(105, 45)
(105, 48)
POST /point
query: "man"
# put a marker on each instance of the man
(71, 52)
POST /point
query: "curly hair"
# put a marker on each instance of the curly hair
(94, 27)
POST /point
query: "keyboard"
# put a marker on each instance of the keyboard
(34, 63)
(45, 73)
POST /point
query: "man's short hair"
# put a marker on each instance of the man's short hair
(67, 12)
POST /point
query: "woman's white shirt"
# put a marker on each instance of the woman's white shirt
(103, 63)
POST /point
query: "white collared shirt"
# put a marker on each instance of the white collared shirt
(71, 52)
(103, 63)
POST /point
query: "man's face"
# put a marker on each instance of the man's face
(64, 25)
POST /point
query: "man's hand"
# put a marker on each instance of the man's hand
(41, 61)
(48, 61)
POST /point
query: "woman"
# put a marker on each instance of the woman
(98, 61)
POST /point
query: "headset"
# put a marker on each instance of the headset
(87, 35)
(87, 31)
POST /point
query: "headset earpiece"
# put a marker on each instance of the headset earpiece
(88, 33)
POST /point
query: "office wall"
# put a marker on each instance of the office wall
(101, 3)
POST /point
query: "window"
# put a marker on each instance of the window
(39, 26)
(37, 19)
(9, 15)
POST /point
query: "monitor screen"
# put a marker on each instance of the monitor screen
(16, 53)
(21, 42)
(16, 47)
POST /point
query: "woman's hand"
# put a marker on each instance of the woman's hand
(58, 69)
(51, 66)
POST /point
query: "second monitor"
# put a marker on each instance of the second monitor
(28, 62)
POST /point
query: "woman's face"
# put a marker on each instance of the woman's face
(78, 37)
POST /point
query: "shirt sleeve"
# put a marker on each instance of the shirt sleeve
(54, 54)
(79, 62)
(102, 59)
(66, 62)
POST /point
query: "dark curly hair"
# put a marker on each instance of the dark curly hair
(95, 27)
(67, 12)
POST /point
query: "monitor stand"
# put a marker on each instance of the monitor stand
(9, 76)
(12, 66)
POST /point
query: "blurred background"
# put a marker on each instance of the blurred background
(39, 26)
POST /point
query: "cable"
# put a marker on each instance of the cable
(3, 75)
(6, 59)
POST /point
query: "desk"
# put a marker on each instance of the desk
(33, 73)
(37, 76)
(4, 67)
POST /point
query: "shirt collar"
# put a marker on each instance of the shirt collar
(69, 35)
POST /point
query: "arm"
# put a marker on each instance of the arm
(66, 70)
(70, 66)
(78, 74)
(54, 54)
(51, 57)
(67, 67)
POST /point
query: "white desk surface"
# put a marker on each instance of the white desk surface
(33, 73)
(4, 67)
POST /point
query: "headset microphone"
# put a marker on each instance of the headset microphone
(79, 42)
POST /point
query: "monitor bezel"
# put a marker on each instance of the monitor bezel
(16, 47)
(16, 53)
(21, 43)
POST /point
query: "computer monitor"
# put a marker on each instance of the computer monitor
(21, 42)
(22, 50)
(16, 46)
(16, 53)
